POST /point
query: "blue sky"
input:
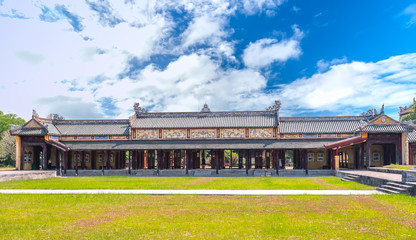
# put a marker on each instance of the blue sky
(94, 59)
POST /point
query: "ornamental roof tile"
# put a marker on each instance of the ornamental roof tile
(29, 131)
(412, 136)
(93, 127)
(206, 120)
(320, 124)
(387, 128)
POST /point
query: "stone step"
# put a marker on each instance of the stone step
(402, 185)
(387, 190)
(395, 188)
(349, 178)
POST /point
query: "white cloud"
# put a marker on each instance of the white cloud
(251, 7)
(355, 85)
(411, 12)
(265, 51)
(324, 65)
(204, 29)
(187, 83)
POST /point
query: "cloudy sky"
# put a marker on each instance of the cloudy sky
(94, 59)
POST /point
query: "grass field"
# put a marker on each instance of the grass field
(237, 183)
(402, 167)
(115, 216)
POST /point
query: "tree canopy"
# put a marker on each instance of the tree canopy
(7, 119)
(411, 115)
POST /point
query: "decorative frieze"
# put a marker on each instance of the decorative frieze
(174, 133)
(261, 133)
(316, 135)
(203, 133)
(147, 134)
(232, 133)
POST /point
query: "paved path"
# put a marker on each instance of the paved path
(387, 176)
(194, 192)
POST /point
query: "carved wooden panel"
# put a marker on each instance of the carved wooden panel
(174, 133)
(232, 133)
(203, 133)
(261, 133)
(147, 134)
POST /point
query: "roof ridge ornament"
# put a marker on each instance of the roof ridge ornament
(138, 109)
(205, 109)
(275, 107)
(34, 114)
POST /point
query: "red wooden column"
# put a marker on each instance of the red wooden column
(45, 157)
(305, 156)
(22, 155)
(367, 154)
(65, 161)
(82, 160)
(217, 161)
(410, 154)
(76, 154)
(247, 156)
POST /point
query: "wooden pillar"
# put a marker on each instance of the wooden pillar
(45, 157)
(247, 156)
(305, 157)
(361, 156)
(65, 162)
(231, 158)
(187, 161)
(410, 154)
(367, 154)
(130, 159)
(276, 160)
(145, 158)
(158, 160)
(60, 162)
(82, 160)
(102, 163)
(217, 161)
(76, 163)
(240, 159)
(22, 156)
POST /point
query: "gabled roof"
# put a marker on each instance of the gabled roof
(31, 127)
(385, 124)
(346, 142)
(293, 125)
(206, 119)
(92, 127)
(387, 128)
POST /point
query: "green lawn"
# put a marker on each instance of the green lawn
(402, 167)
(115, 216)
(237, 183)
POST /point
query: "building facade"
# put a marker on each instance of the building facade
(214, 140)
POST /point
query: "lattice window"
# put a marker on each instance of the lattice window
(311, 156)
(376, 156)
(320, 156)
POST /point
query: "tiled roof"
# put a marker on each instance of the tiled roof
(320, 124)
(206, 120)
(52, 130)
(200, 144)
(29, 131)
(85, 127)
(412, 136)
(387, 128)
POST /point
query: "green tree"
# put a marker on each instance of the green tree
(7, 150)
(7, 119)
(411, 115)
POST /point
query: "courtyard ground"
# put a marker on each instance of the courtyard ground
(224, 183)
(113, 216)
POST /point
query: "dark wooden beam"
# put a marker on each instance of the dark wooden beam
(217, 161)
